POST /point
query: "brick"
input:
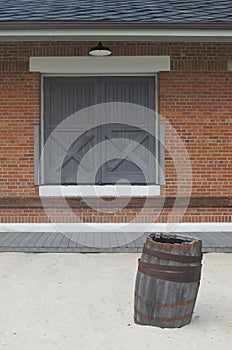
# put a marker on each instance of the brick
(195, 97)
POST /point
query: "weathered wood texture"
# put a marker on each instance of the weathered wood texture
(167, 281)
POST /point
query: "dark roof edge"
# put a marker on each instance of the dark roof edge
(26, 25)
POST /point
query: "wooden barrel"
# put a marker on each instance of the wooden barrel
(167, 281)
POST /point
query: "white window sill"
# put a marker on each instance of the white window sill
(99, 191)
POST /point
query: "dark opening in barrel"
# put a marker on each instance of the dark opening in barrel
(167, 280)
(169, 239)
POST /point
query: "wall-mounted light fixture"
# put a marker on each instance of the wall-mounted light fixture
(100, 51)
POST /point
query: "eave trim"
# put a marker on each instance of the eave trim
(29, 25)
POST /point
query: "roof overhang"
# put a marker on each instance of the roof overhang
(53, 31)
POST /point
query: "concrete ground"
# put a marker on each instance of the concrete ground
(85, 301)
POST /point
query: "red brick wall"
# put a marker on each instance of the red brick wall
(198, 105)
(19, 111)
(195, 97)
(25, 215)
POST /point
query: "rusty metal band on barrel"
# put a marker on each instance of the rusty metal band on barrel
(186, 259)
(186, 276)
(183, 269)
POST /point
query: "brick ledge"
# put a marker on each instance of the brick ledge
(136, 202)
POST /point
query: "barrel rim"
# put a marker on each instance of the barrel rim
(191, 242)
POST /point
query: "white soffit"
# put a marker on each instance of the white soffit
(100, 65)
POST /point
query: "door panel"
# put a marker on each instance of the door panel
(63, 98)
(79, 163)
(133, 157)
(130, 152)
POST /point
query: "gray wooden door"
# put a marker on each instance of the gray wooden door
(67, 95)
(131, 162)
(64, 96)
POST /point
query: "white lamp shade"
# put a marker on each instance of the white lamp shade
(100, 50)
